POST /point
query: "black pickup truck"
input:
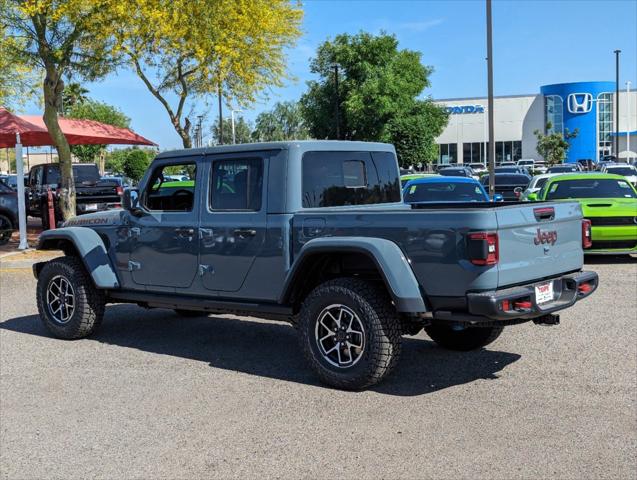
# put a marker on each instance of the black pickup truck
(93, 193)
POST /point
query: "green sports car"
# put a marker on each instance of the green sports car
(608, 201)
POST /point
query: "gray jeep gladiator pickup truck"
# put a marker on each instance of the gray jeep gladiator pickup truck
(316, 233)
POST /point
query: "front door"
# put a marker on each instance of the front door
(164, 240)
(233, 220)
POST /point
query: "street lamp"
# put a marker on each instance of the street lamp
(628, 116)
(617, 52)
(234, 137)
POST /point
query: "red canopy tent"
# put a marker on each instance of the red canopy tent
(33, 132)
(30, 130)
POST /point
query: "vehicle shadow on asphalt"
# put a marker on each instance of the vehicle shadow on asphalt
(609, 259)
(271, 350)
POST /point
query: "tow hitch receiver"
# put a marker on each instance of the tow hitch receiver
(547, 320)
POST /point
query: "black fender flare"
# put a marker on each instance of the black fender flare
(90, 249)
(389, 259)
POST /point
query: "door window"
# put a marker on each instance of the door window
(171, 188)
(237, 184)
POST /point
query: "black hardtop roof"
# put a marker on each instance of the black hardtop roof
(300, 145)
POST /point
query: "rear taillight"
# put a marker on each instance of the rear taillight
(482, 248)
(119, 190)
(587, 237)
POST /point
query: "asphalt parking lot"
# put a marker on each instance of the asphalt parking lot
(154, 395)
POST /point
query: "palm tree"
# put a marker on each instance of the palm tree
(73, 94)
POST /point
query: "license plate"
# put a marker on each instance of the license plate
(90, 207)
(544, 292)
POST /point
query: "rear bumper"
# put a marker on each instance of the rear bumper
(490, 306)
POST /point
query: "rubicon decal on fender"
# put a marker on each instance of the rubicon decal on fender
(545, 237)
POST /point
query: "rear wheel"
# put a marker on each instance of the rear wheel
(69, 304)
(463, 338)
(6, 229)
(350, 333)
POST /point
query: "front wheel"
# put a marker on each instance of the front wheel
(350, 333)
(69, 304)
(463, 338)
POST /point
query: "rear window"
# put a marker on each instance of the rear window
(81, 173)
(562, 169)
(540, 182)
(332, 179)
(590, 188)
(453, 172)
(627, 171)
(444, 192)
(507, 180)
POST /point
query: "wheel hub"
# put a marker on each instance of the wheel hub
(340, 336)
(60, 299)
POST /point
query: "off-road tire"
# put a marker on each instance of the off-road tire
(89, 301)
(6, 229)
(382, 332)
(469, 338)
(190, 313)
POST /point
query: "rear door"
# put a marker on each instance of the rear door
(233, 219)
(539, 240)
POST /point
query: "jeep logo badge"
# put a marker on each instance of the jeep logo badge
(545, 237)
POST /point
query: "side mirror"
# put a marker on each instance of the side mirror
(532, 197)
(130, 202)
(498, 197)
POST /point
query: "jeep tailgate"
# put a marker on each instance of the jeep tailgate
(538, 240)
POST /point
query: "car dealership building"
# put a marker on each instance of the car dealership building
(588, 107)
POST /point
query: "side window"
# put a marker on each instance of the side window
(388, 176)
(171, 188)
(333, 179)
(237, 184)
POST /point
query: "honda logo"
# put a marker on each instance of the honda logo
(579, 102)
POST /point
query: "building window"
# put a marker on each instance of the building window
(605, 124)
(473, 152)
(554, 113)
(448, 153)
(508, 151)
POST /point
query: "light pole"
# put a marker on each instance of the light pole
(234, 137)
(617, 52)
(491, 155)
(628, 116)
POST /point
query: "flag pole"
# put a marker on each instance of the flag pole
(22, 214)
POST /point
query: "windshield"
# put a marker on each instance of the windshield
(627, 171)
(526, 162)
(590, 188)
(444, 192)
(506, 169)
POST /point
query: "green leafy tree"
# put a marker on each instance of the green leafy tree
(114, 161)
(135, 163)
(554, 145)
(243, 131)
(59, 38)
(93, 110)
(18, 81)
(284, 122)
(378, 90)
(184, 51)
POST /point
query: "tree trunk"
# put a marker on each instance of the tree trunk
(53, 86)
(184, 132)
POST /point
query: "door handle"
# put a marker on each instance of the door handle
(245, 232)
(185, 231)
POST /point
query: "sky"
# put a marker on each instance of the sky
(534, 43)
